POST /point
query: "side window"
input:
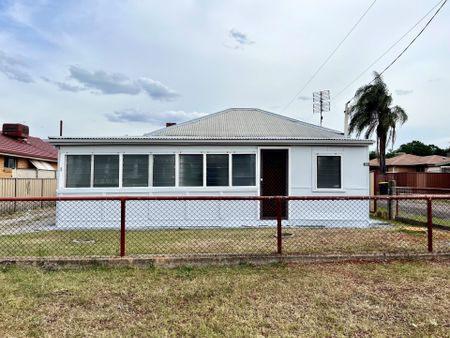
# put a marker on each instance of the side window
(191, 170)
(10, 162)
(217, 170)
(106, 171)
(78, 171)
(244, 169)
(163, 170)
(135, 171)
(329, 172)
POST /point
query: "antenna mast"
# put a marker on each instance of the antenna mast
(321, 103)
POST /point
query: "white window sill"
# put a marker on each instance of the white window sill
(338, 191)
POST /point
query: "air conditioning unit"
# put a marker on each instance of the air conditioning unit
(15, 130)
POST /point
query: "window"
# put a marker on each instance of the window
(106, 171)
(217, 170)
(135, 171)
(328, 172)
(191, 170)
(244, 169)
(163, 170)
(78, 171)
(10, 162)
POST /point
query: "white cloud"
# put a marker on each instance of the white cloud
(155, 118)
(14, 69)
(240, 38)
(114, 83)
(157, 90)
(105, 83)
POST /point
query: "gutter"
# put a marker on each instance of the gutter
(281, 142)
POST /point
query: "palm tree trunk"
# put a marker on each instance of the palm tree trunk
(383, 154)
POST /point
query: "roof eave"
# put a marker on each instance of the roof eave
(186, 141)
(22, 155)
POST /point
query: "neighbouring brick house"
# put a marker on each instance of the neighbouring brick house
(25, 156)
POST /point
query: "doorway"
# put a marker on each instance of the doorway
(274, 180)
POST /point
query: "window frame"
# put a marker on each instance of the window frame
(177, 173)
(91, 178)
(315, 171)
(228, 169)
(149, 166)
(7, 159)
(151, 155)
(119, 173)
(257, 160)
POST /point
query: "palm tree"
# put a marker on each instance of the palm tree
(372, 112)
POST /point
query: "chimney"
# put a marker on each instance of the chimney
(170, 124)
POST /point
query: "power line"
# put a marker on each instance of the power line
(415, 38)
(329, 56)
(442, 3)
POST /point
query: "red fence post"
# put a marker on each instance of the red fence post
(122, 227)
(430, 224)
(279, 232)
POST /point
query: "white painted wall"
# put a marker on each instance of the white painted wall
(302, 182)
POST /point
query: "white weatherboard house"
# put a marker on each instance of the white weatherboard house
(235, 152)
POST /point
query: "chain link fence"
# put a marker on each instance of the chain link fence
(133, 226)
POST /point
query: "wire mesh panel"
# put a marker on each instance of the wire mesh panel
(106, 226)
(441, 224)
(344, 227)
(59, 228)
(198, 227)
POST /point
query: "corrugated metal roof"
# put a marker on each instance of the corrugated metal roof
(238, 126)
(33, 147)
(247, 122)
(412, 160)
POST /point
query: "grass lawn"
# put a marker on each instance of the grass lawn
(394, 299)
(398, 238)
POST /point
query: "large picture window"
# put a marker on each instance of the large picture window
(217, 170)
(244, 169)
(163, 170)
(191, 170)
(78, 171)
(106, 171)
(135, 171)
(329, 172)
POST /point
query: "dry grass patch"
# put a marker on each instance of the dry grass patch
(395, 299)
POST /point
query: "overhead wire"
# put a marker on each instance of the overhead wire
(328, 57)
(441, 3)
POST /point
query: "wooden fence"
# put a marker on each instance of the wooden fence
(27, 187)
(414, 180)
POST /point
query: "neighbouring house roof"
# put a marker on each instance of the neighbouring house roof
(32, 147)
(413, 160)
(236, 126)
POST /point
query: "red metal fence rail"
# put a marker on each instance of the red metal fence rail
(142, 225)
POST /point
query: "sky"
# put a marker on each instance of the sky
(117, 67)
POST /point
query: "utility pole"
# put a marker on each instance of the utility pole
(346, 115)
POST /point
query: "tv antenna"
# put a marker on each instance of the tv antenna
(321, 103)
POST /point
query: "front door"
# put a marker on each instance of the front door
(274, 180)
